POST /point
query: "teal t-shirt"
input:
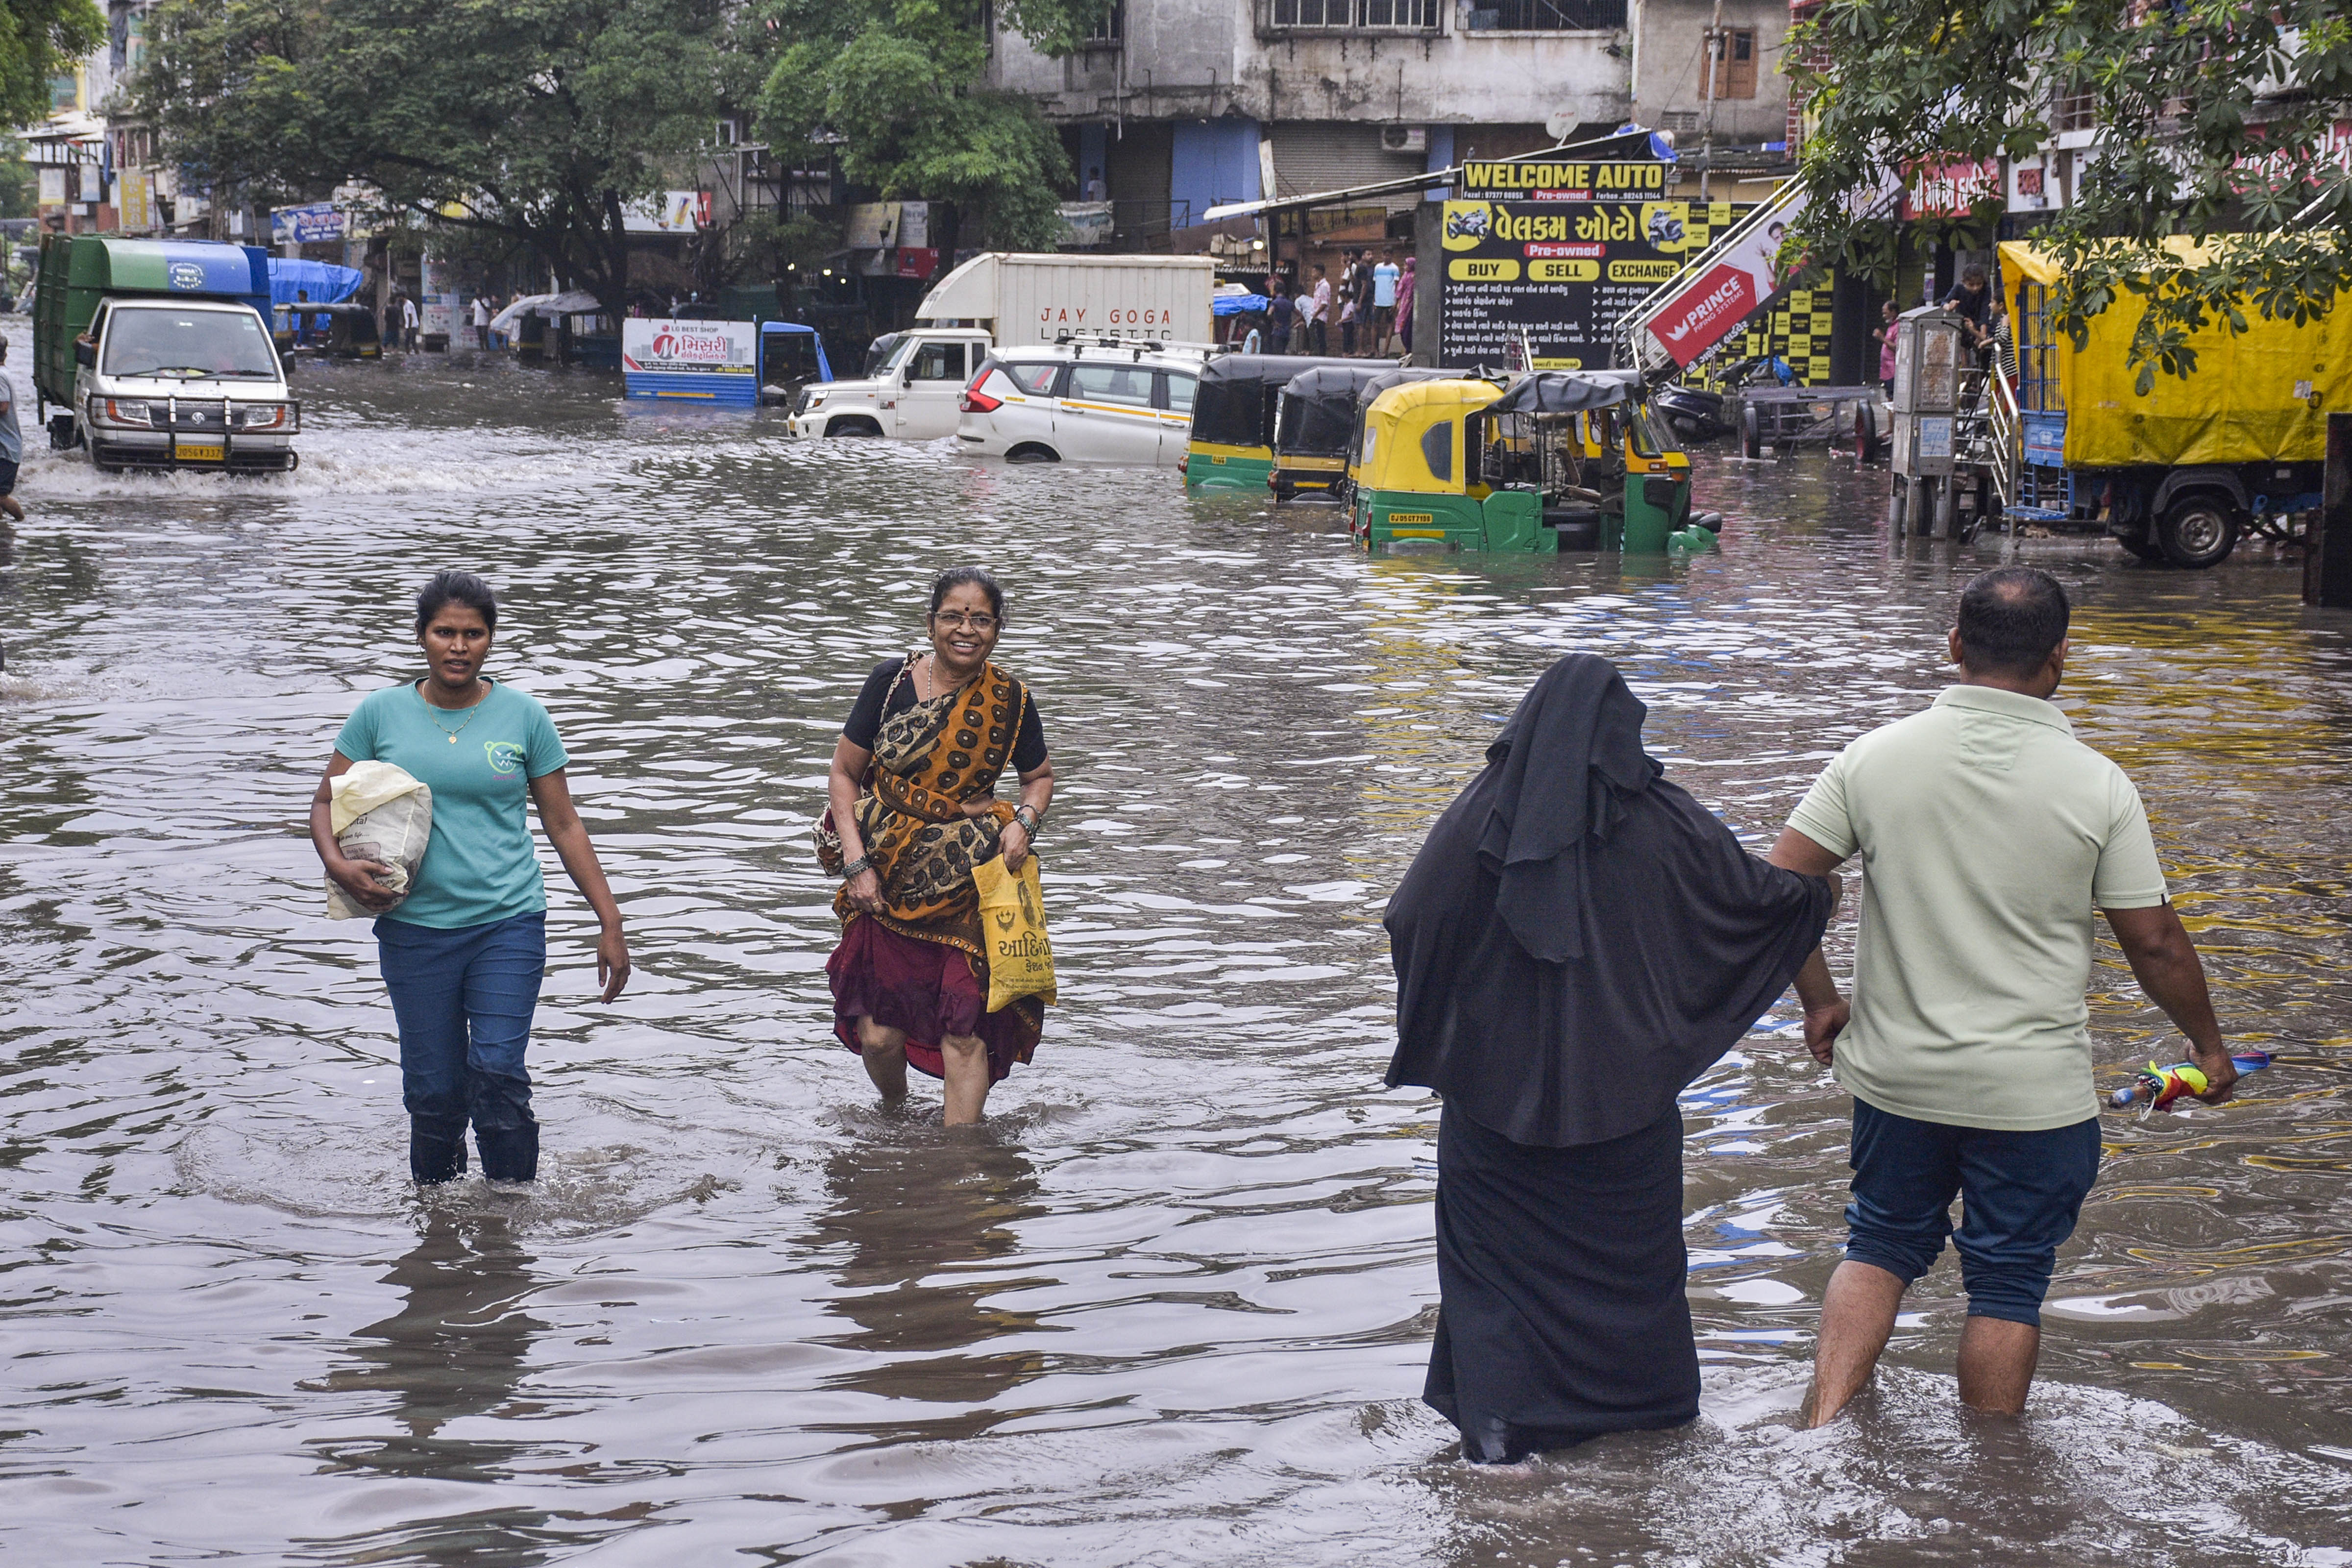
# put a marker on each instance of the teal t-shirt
(481, 864)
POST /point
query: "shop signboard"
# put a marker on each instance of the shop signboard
(1562, 272)
(1717, 302)
(315, 221)
(1532, 182)
(694, 361)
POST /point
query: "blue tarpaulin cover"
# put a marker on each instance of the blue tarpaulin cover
(1238, 305)
(324, 281)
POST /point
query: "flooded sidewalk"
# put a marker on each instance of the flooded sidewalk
(1171, 1305)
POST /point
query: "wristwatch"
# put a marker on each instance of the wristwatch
(1027, 817)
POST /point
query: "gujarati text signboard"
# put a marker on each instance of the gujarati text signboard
(1561, 269)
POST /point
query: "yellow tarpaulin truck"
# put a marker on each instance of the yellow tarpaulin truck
(2181, 473)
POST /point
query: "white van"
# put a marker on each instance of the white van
(1101, 402)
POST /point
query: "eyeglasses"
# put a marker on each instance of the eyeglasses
(956, 620)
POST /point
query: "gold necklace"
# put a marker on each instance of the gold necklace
(477, 708)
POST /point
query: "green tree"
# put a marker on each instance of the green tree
(39, 39)
(899, 84)
(539, 121)
(2214, 118)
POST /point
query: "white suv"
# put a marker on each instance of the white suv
(1103, 402)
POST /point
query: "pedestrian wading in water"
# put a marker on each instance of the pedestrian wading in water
(463, 954)
(1576, 942)
(1987, 833)
(913, 800)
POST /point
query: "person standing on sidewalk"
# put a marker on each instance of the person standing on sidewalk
(1316, 312)
(1987, 832)
(1384, 303)
(407, 325)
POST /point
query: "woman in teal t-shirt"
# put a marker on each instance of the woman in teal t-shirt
(463, 954)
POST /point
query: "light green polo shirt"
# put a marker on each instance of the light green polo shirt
(1987, 832)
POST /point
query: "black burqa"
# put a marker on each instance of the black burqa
(1577, 941)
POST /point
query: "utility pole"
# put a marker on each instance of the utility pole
(1706, 137)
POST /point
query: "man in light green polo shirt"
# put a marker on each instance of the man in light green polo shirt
(1987, 834)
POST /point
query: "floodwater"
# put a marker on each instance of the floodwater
(1171, 1305)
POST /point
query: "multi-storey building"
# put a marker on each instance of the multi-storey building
(1178, 106)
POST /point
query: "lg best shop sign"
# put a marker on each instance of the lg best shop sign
(688, 348)
(704, 361)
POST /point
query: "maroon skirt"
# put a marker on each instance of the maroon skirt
(927, 989)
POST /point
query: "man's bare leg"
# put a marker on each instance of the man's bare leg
(1857, 1318)
(1997, 1360)
(965, 1057)
(12, 507)
(885, 1053)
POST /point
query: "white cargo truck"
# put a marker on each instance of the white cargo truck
(1007, 299)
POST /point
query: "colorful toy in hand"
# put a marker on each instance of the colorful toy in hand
(2156, 1088)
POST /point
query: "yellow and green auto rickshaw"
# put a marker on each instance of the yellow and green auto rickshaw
(1558, 459)
(1312, 424)
(1231, 443)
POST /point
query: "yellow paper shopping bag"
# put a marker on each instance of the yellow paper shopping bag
(1013, 924)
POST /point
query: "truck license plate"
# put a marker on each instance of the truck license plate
(200, 452)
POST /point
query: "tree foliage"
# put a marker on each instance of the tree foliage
(39, 39)
(898, 86)
(2212, 118)
(542, 121)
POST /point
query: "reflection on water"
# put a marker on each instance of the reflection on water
(456, 1349)
(927, 1220)
(1171, 1305)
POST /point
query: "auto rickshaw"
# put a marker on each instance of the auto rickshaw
(1312, 424)
(1365, 396)
(345, 328)
(1233, 418)
(790, 356)
(1557, 460)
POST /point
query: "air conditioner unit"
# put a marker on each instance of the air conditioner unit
(1404, 138)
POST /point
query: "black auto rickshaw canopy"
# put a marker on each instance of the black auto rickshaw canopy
(1234, 404)
(1317, 414)
(1567, 391)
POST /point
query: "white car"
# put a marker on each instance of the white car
(1128, 403)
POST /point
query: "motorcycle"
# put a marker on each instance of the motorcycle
(1698, 413)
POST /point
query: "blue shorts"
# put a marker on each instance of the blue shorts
(2021, 1192)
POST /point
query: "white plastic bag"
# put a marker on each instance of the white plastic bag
(379, 813)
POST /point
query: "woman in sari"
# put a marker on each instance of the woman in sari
(913, 793)
(1577, 941)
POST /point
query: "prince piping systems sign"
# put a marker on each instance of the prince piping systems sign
(691, 361)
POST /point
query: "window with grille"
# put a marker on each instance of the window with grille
(2074, 110)
(1112, 28)
(1547, 16)
(1384, 16)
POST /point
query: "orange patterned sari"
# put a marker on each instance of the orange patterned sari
(929, 761)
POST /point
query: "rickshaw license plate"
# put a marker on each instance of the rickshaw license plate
(200, 451)
(1407, 519)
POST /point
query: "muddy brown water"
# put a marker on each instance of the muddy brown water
(1171, 1305)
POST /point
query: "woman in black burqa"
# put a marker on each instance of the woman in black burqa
(1576, 942)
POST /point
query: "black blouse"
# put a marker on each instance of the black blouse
(866, 719)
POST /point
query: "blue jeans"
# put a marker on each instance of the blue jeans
(2021, 1193)
(463, 999)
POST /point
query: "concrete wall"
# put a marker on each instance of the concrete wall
(1669, 74)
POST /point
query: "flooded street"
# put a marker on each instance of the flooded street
(1171, 1304)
